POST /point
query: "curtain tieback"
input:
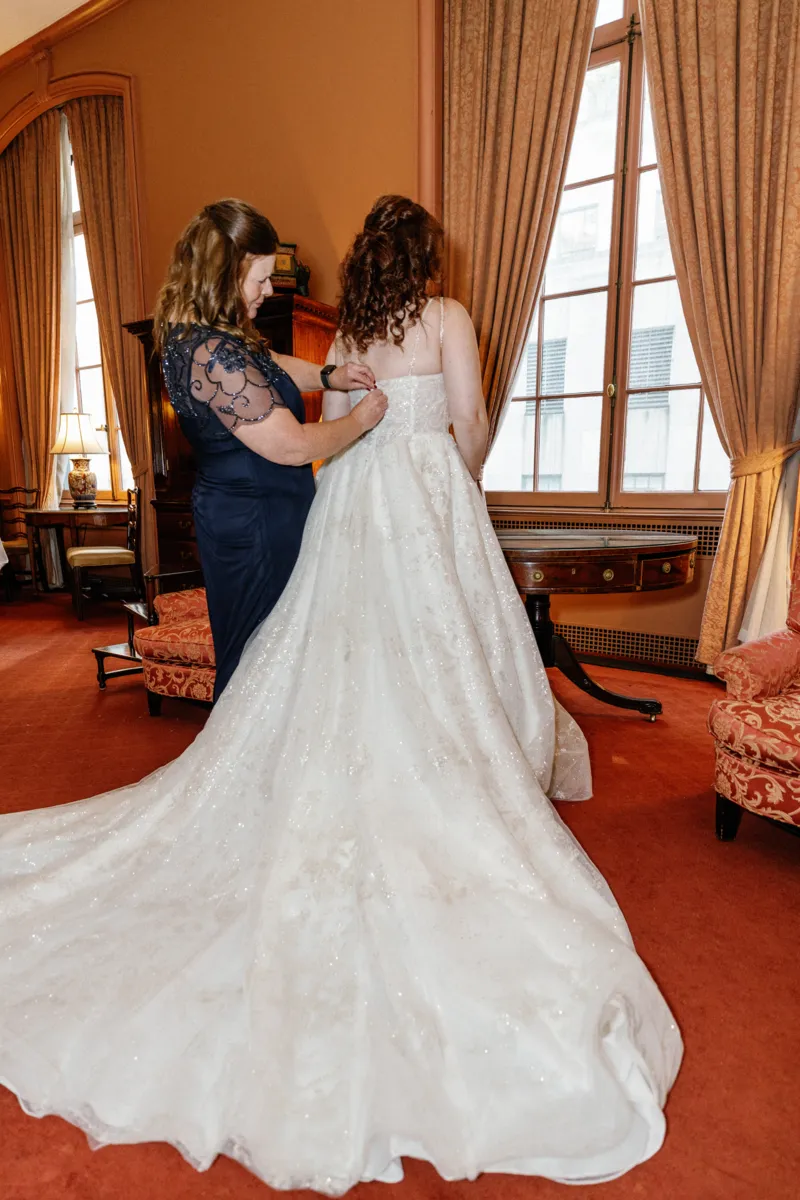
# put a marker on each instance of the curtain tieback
(754, 464)
(140, 468)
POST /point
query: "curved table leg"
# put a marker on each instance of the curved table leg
(557, 652)
(568, 664)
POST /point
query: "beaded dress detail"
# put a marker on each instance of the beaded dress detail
(347, 924)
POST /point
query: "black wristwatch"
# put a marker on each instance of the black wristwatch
(325, 375)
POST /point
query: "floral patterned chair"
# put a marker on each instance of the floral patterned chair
(177, 653)
(756, 726)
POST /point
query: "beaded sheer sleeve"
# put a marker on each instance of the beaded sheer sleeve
(208, 371)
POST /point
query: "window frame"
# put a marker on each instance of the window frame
(618, 41)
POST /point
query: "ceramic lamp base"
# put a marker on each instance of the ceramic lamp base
(82, 484)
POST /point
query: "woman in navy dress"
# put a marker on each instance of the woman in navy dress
(254, 478)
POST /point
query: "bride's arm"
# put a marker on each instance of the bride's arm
(335, 404)
(462, 379)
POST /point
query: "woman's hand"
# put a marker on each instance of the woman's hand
(369, 411)
(351, 377)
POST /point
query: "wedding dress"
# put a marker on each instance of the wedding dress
(347, 925)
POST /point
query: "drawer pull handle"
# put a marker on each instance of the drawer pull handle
(608, 574)
(666, 568)
(538, 576)
(184, 523)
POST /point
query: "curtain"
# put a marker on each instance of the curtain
(725, 87)
(513, 73)
(768, 603)
(30, 228)
(97, 132)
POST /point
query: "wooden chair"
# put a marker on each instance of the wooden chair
(86, 558)
(14, 537)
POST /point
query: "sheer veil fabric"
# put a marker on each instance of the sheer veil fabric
(347, 925)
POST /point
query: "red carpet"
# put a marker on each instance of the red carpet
(719, 925)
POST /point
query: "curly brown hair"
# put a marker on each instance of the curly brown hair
(385, 276)
(203, 284)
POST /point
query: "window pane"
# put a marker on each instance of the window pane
(594, 147)
(88, 335)
(608, 10)
(660, 440)
(715, 466)
(653, 255)
(574, 344)
(661, 352)
(569, 444)
(509, 467)
(647, 154)
(525, 382)
(124, 463)
(83, 284)
(76, 204)
(93, 400)
(581, 243)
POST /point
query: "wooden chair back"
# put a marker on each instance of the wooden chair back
(12, 518)
(134, 537)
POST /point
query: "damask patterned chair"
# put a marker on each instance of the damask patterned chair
(756, 726)
(177, 652)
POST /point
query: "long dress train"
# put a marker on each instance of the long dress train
(347, 924)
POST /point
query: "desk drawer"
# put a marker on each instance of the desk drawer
(175, 526)
(668, 570)
(175, 553)
(593, 576)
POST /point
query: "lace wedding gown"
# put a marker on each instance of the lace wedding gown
(347, 925)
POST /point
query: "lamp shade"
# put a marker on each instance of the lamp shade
(76, 435)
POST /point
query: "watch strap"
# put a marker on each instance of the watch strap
(325, 375)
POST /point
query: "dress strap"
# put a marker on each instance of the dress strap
(441, 322)
(413, 359)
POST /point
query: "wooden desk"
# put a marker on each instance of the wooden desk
(74, 519)
(544, 562)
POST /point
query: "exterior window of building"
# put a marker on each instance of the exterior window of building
(612, 412)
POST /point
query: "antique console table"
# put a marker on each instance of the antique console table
(545, 562)
(104, 516)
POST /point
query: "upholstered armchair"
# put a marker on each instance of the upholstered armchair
(177, 653)
(756, 726)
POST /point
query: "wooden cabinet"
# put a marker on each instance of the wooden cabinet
(291, 324)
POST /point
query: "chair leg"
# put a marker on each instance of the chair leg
(77, 592)
(729, 816)
(154, 703)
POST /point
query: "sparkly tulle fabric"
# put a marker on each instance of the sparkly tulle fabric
(347, 925)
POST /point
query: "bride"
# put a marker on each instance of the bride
(347, 925)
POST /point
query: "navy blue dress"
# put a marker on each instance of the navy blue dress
(249, 513)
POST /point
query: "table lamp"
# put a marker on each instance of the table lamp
(78, 438)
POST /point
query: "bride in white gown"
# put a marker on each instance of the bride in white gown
(347, 925)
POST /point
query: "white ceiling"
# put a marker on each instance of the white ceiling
(20, 19)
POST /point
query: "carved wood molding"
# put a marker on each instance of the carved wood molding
(42, 41)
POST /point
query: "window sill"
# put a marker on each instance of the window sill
(603, 515)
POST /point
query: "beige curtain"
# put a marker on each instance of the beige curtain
(30, 227)
(513, 73)
(97, 132)
(725, 86)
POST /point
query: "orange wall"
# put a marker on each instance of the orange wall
(306, 108)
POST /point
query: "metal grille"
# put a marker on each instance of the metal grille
(622, 643)
(707, 535)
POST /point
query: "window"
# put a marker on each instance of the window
(612, 411)
(92, 393)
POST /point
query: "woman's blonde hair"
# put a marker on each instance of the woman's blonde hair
(203, 284)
